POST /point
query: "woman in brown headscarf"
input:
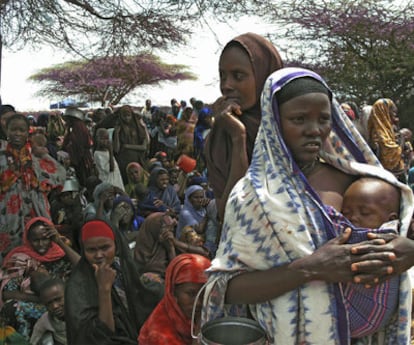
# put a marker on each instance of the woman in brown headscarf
(245, 63)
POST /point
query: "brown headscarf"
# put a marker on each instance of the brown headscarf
(265, 60)
(151, 254)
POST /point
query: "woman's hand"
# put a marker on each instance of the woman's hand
(374, 264)
(228, 120)
(331, 262)
(205, 202)
(166, 235)
(105, 276)
(53, 234)
(106, 195)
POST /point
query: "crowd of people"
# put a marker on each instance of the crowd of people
(287, 206)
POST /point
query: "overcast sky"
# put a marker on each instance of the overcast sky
(201, 56)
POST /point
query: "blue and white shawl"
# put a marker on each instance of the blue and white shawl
(274, 217)
(190, 215)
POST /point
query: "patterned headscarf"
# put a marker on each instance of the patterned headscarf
(273, 217)
(382, 133)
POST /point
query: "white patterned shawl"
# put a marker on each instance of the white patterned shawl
(274, 217)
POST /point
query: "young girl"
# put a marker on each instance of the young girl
(107, 166)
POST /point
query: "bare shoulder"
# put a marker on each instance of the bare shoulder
(330, 184)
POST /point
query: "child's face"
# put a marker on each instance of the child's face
(53, 299)
(102, 140)
(173, 177)
(362, 206)
(134, 174)
(195, 240)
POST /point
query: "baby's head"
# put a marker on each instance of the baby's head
(370, 202)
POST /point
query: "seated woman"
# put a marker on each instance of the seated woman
(194, 210)
(170, 322)
(103, 199)
(125, 219)
(162, 190)
(44, 253)
(156, 246)
(136, 175)
(103, 301)
(146, 202)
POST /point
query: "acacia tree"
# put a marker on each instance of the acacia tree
(107, 27)
(363, 48)
(91, 28)
(107, 79)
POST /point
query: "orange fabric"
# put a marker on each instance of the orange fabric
(167, 324)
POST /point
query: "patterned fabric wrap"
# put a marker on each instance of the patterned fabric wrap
(369, 308)
(274, 217)
(25, 181)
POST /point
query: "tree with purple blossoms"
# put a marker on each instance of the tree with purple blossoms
(91, 28)
(363, 48)
(107, 79)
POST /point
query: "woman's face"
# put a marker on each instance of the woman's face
(185, 295)
(196, 199)
(162, 181)
(124, 212)
(38, 240)
(237, 79)
(305, 125)
(99, 250)
(18, 133)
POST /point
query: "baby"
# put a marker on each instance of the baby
(371, 202)
(369, 205)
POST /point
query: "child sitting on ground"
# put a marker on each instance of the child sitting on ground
(51, 328)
